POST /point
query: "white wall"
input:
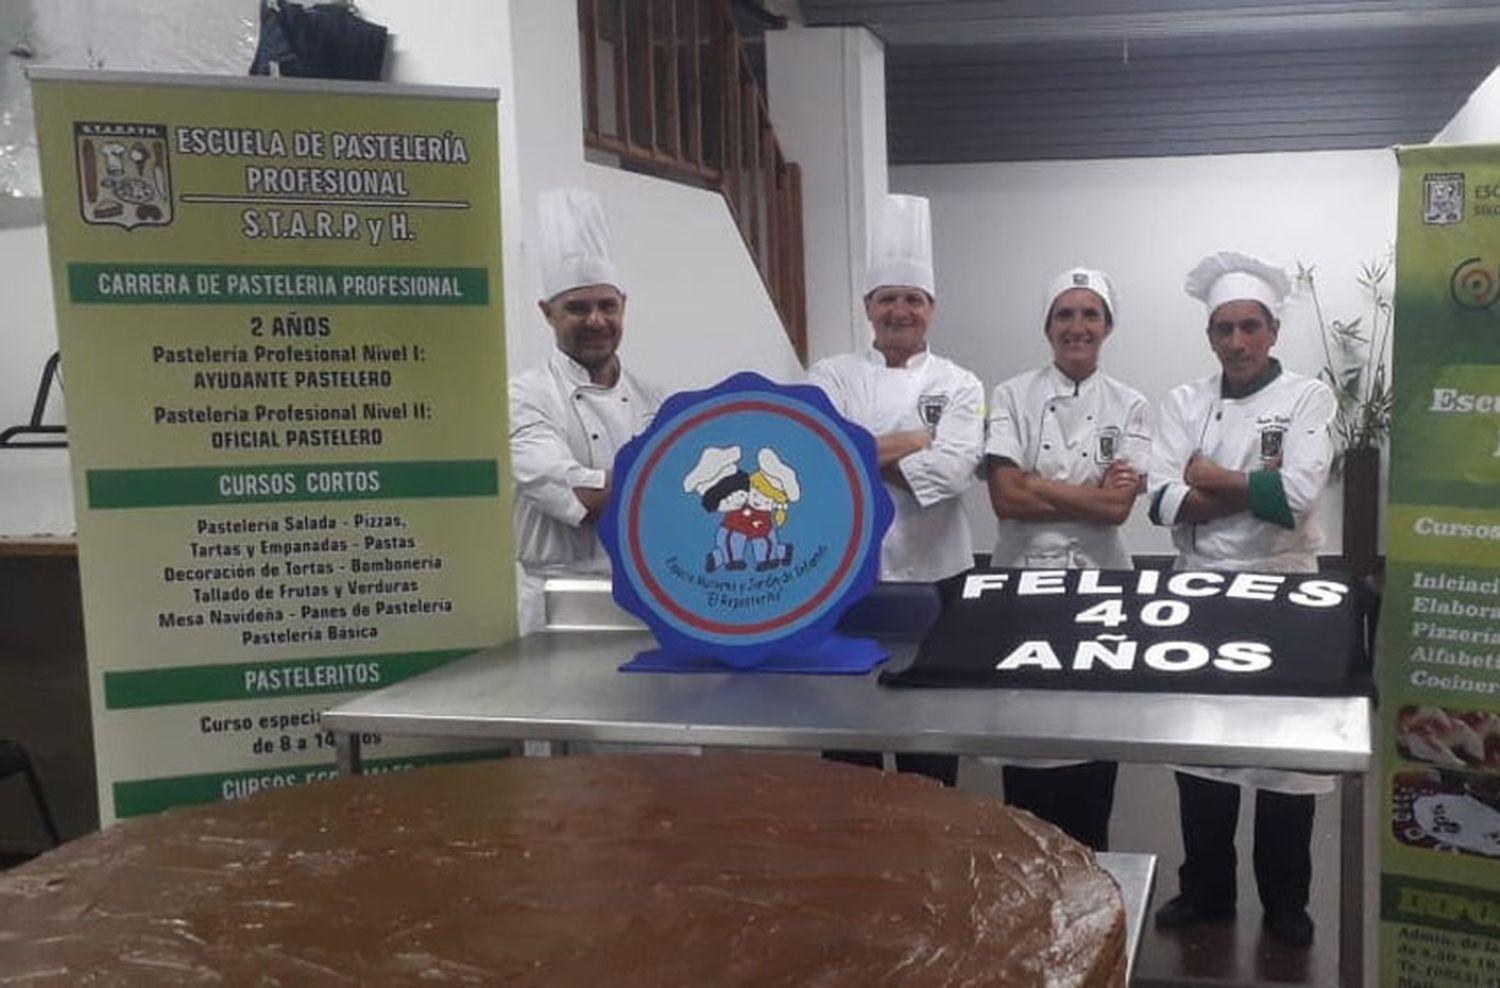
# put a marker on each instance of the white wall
(179, 36)
(36, 495)
(1003, 231)
(1478, 120)
(827, 103)
(697, 310)
(30, 334)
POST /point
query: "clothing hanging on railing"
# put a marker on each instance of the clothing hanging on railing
(326, 41)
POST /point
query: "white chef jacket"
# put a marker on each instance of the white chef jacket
(1290, 416)
(564, 433)
(1047, 424)
(929, 538)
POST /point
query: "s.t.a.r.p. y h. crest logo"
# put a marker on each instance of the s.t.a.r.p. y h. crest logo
(745, 520)
(124, 174)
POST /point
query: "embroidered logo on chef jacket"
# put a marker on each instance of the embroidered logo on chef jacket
(1107, 444)
(1271, 441)
(124, 174)
(931, 407)
(744, 521)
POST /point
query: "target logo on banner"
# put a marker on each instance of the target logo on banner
(1474, 284)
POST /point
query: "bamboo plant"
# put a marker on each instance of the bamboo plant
(1355, 360)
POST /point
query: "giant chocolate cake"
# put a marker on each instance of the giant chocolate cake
(655, 870)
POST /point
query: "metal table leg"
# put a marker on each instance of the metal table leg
(346, 753)
(1351, 880)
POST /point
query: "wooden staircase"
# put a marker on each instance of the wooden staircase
(668, 91)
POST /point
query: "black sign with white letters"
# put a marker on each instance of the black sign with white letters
(1163, 631)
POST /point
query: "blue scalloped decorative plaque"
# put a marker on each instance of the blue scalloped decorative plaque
(742, 524)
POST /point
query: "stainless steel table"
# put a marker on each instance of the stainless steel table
(564, 685)
(1136, 876)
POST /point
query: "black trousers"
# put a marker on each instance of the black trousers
(1077, 799)
(1210, 811)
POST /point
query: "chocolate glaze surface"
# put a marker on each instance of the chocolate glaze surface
(624, 871)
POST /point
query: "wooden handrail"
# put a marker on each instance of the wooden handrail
(687, 107)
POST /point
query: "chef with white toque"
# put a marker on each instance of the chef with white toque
(570, 416)
(1239, 463)
(926, 412)
(1067, 447)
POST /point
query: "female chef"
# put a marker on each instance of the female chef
(1066, 444)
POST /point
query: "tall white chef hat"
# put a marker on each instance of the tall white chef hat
(574, 242)
(1095, 281)
(1229, 276)
(901, 245)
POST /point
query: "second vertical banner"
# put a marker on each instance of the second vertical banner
(1440, 623)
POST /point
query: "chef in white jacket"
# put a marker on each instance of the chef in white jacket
(1239, 462)
(570, 416)
(926, 412)
(1067, 449)
(1067, 444)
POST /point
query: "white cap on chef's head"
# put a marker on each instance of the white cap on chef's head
(901, 246)
(1229, 276)
(1095, 281)
(574, 242)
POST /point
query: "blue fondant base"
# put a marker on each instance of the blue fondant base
(834, 655)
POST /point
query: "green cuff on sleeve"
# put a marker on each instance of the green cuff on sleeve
(1268, 498)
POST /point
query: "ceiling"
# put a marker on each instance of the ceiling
(1019, 80)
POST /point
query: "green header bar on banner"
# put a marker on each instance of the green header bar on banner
(263, 679)
(288, 483)
(213, 284)
(1443, 535)
(136, 797)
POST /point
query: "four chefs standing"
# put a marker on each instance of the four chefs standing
(1234, 464)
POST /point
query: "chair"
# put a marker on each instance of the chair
(14, 760)
(51, 436)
